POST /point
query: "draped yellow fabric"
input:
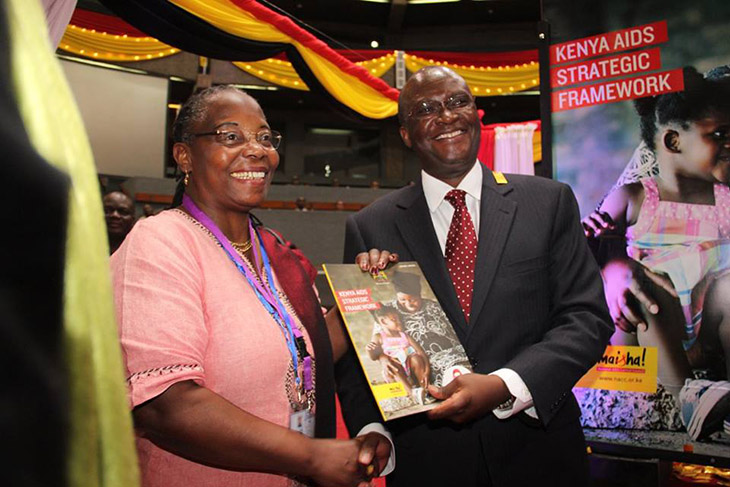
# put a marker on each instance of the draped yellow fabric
(344, 87)
(113, 47)
(283, 74)
(378, 66)
(347, 89)
(101, 450)
(229, 18)
(486, 81)
(274, 71)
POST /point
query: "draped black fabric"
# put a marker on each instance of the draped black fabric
(34, 202)
(306, 74)
(177, 27)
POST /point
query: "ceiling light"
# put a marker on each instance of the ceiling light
(330, 131)
(257, 87)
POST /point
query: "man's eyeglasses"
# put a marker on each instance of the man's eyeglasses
(429, 108)
(268, 139)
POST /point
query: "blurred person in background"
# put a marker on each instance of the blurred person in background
(119, 216)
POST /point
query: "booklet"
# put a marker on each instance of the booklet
(401, 335)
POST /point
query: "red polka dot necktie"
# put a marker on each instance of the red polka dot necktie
(461, 250)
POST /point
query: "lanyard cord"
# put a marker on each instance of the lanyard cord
(266, 294)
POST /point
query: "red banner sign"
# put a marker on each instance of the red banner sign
(608, 43)
(618, 90)
(608, 67)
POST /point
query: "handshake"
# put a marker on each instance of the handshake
(349, 463)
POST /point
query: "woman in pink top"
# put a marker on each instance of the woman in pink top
(228, 359)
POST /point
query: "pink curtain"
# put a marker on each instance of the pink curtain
(508, 147)
(513, 149)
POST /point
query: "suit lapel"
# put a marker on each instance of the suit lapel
(495, 220)
(414, 223)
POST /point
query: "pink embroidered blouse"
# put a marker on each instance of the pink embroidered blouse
(186, 313)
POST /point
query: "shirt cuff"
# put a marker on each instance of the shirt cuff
(517, 387)
(379, 428)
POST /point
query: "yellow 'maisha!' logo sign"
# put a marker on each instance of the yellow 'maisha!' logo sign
(624, 368)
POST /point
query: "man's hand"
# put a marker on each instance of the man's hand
(468, 397)
(629, 286)
(374, 453)
(375, 260)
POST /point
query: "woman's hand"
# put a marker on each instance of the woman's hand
(597, 223)
(628, 287)
(375, 260)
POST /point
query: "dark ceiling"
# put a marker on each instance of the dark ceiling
(466, 25)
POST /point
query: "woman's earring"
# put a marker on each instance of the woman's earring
(187, 178)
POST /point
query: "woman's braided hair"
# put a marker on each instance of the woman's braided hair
(194, 110)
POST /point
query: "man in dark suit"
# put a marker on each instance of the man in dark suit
(527, 304)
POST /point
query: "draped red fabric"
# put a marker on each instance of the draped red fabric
(477, 59)
(357, 55)
(354, 56)
(486, 147)
(288, 27)
(103, 23)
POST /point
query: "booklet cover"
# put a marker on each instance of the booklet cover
(401, 335)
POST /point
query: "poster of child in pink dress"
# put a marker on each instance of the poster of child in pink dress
(649, 162)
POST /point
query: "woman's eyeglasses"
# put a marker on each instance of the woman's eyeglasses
(268, 139)
(429, 108)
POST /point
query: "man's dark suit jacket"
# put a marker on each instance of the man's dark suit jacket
(538, 309)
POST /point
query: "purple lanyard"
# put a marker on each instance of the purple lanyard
(267, 294)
